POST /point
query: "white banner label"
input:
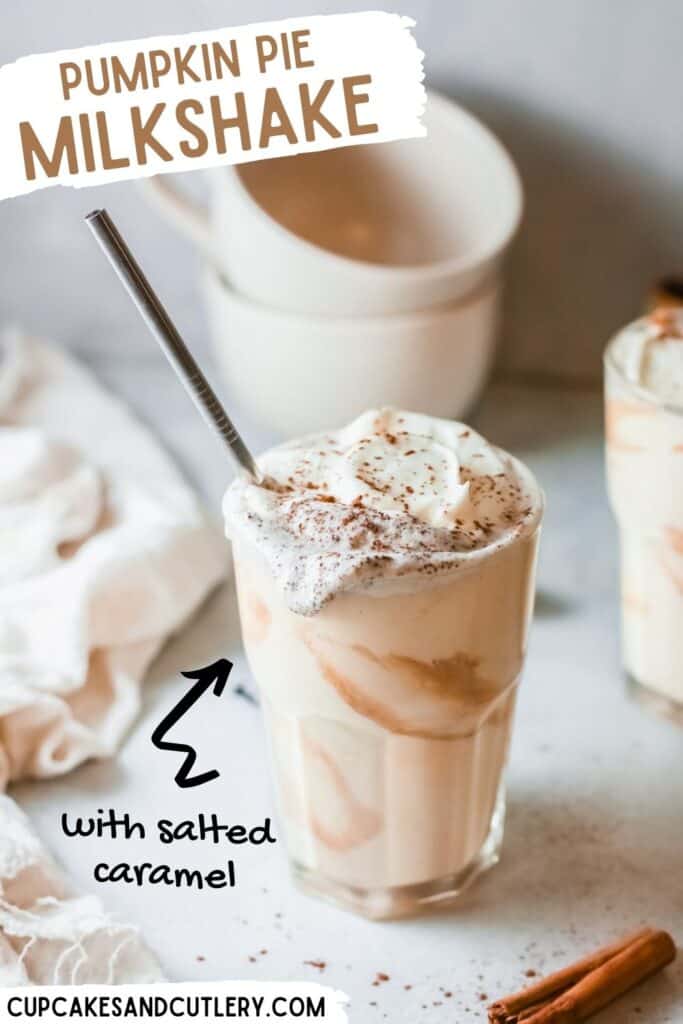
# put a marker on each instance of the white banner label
(176, 103)
(186, 1003)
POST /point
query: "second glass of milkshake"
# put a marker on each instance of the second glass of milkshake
(644, 433)
(385, 578)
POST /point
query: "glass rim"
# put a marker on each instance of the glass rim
(644, 394)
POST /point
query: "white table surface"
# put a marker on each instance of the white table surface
(594, 841)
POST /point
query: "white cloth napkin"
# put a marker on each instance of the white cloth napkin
(104, 552)
(50, 936)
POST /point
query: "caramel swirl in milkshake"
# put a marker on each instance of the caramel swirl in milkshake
(644, 415)
(385, 582)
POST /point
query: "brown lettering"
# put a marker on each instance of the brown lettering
(202, 143)
(311, 112)
(137, 79)
(300, 42)
(182, 64)
(352, 100)
(109, 163)
(230, 60)
(97, 90)
(69, 83)
(265, 55)
(86, 138)
(160, 65)
(275, 120)
(65, 146)
(142, 133)
(221, 124)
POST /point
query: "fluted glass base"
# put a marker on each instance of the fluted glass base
(407, 900)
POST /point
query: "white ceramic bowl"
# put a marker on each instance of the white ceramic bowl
(362, 230)
(299, 374)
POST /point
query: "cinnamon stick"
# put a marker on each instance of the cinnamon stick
(509, 1010)
(577, 992)
(602, 986)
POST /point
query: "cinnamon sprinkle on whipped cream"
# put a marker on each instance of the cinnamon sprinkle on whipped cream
(392, 494)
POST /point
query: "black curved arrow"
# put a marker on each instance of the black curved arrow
(216, 675)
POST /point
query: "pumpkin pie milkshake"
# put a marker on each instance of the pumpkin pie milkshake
(385, 579)
(644, 428)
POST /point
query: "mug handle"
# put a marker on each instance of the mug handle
(188, 216)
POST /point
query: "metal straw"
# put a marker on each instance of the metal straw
(163, 329)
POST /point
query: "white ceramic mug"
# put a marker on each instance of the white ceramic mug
(364, 230)
(297, 374)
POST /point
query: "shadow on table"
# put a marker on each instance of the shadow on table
(582, 877)
(552, 604)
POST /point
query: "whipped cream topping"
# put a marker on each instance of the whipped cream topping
(649, 353)
(392, 494)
